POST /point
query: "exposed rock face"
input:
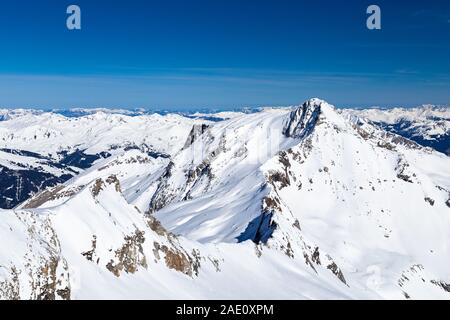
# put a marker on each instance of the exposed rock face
(402, 171)
(336, 271)
(302, 121)
(90, 255)
(175, 259)
(44, 196)
(130, 257)
(44, 274)
(197, 131)
(48, 281)
(443, 285)
(100, 184)
(281, 177)
(430, 201)
(97, 187)
(161, 197)
(177, 183)
(10, 289)
(157, 227)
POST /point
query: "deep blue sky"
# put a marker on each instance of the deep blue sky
(231, 53)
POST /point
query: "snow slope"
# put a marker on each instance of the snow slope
(301, 203)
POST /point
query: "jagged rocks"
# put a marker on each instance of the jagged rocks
(162, 197)
(130, 256)
(64, 293)
(399, 140)
(200, 173)
(337, 272)
(215, 263)
(47, 280)
(401, 169)
(316, 256)
(113, 180)
(281, 178)
(271, 204)
(443, 285)
(417, 274)
(302, 121)
(44, 274)
(156, 226)
(51, 280)
(176, 259)
(362, 133)
(430, 201)
(97, 187)
(10, 290)
(196, 131)
(386, 145)
(410, 273)
(52, 194)
(129, 160)
(100, 184)
(89, 255)
(296, 225)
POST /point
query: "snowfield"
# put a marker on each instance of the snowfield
(307, 202)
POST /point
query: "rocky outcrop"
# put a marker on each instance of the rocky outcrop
(301, 121)
(161, 196)
(100, 184)
(197, 131)
(39, 274)
(130, 256)
(402, 170)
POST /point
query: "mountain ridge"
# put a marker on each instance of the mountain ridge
(303, 203)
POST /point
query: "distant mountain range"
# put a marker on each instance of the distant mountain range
(427, 125)
(305, 202)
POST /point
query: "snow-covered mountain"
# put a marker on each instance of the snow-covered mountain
(41, 149)
(296, 203)
(427, 125)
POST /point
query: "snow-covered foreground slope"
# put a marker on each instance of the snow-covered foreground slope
(281, 204)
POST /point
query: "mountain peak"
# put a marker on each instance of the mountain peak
(302, 120)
